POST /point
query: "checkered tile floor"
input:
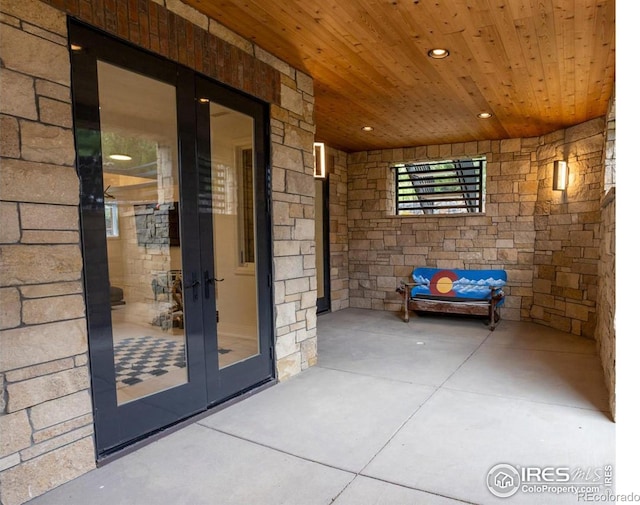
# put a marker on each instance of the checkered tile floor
(140, 358)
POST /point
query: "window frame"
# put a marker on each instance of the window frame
(434, 177)
(112, 220)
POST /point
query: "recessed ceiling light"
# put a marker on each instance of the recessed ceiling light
(76, 47)
(203, 100)
(485, 115)
(367, 128)
(120, 157)
(438, 53)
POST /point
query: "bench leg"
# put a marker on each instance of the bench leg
(492, 317)
(406, 304)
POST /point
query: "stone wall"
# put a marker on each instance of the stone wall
(567, 247)
(606, 328)
(606, 302)
(547, 241)
(295, 282)
(46, 421)
(610, 147)
(45, 406)
(338, 232)
(384, 248)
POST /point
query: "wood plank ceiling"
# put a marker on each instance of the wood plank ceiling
(536, 65)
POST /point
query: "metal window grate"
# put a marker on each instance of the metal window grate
(443, 187)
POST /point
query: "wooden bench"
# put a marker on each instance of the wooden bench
(473, 292)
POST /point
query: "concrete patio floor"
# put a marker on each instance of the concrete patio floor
(393, 414)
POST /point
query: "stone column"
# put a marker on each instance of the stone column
(45, 409)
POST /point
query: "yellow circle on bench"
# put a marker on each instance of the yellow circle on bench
(442, 283)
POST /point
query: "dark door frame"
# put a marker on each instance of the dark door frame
(118, 426)
(239, 377)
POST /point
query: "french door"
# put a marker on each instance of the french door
(175, 236)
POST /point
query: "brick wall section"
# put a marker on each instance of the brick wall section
(338, 233)
(606, 302)
(45, 405)
(46, 421)
(182, 34)
(383, 248)
(567, 247)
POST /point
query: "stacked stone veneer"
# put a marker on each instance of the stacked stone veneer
(606, 302)
(384, 249)
(546, 241)
(567, 248)
(294, 244)
(338, 233)
(46, 423)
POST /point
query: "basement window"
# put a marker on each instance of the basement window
(440, 187)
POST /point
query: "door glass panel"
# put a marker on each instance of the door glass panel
(141, 194)
(234, 255)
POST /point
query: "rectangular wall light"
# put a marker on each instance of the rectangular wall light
(560, 175)
(320, 170)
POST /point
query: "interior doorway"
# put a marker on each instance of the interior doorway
(176, 237)
(322, 245)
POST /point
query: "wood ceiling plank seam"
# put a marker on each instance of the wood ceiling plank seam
(470, 110)
(383, 53)
(535, 79)
(331, 39)
(604, 36)
(547, 49)
(585, 24)
(500, 84)
(410, 59)
(493, 125)
(520, 87)
(565, 35)
(342, 83)
(378, 112)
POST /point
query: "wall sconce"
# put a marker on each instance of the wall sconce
(320, 169)
(560, 175)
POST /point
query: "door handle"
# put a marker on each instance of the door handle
(208, 281)
(194, 285)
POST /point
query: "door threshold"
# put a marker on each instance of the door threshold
(133, 446)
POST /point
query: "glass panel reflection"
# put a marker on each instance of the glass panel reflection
(140, 175)
(234, 234)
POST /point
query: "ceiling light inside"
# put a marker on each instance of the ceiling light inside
(438, 53)
(367, 128)
(485, 115)
(120, 157)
